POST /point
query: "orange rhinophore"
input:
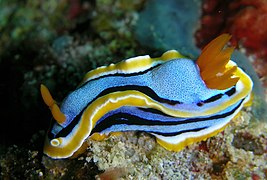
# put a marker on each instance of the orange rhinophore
(50, 102)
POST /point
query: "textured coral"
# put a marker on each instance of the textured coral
(244, 19)
(248, 25)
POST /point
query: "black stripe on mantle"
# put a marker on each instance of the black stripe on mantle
(144, 89)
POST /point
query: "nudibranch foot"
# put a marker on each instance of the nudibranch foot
(178, 100)
(100, 137)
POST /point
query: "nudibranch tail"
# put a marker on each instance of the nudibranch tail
(51, 103)
(189, 141)
(214, 64)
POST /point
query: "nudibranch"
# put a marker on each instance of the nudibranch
(176, 99)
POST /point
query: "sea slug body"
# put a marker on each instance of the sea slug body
(176, 99)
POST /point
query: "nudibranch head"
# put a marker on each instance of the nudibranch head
(174, 98)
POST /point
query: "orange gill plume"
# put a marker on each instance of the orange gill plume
(215, 70)
(51, 103)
